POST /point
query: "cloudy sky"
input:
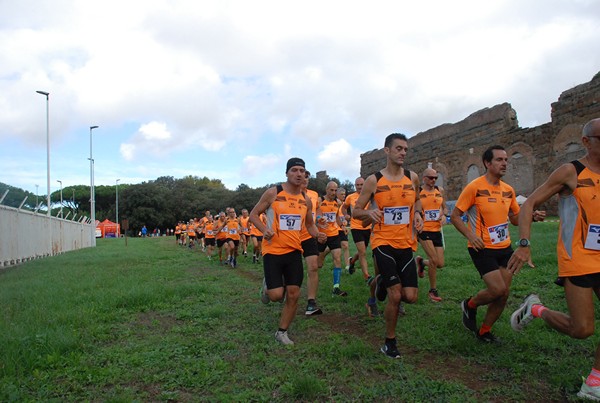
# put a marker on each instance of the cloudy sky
(232, 89)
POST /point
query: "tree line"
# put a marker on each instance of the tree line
(158, 203)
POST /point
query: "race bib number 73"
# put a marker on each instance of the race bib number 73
(396, 215)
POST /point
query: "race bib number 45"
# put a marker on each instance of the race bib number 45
(290, 222)
(592, 241)
(396, 215)
(498, 233)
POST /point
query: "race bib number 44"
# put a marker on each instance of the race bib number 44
(290, 222)
(592, 241)
(396, 215)
(498, 233)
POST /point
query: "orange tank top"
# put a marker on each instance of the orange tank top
(396, 200)
(350, 202)
(578, 246)
(314, 200)
(329, 213)
(432, 209)
(487, 207)
(285, 217)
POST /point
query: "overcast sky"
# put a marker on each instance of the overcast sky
(232, 89)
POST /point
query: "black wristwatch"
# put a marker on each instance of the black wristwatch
(523, 242)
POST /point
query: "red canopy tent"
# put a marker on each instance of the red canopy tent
(109, 229)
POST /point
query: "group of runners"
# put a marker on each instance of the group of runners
(394, 209)
(226, 233)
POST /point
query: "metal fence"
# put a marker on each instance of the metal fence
(27, 235)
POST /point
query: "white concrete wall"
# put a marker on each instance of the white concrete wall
(25, 235)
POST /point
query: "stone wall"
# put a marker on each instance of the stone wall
(455, 149)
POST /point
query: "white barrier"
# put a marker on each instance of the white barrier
(25, 235)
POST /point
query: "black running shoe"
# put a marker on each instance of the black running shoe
(469, 316)
(312, 309)
(351, 268)
(380, 290)
(338, 293)
(488, 337)
(390, 351)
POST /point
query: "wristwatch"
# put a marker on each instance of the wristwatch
(523, 242)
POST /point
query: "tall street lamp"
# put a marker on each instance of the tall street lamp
(47, 95)
(61, 199)
(37, 202)
(92, 195)
(117, 207)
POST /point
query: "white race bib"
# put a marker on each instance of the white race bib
(330, 217)
(396, 215)
(432, 215)
(592, 241)
(233, 231)
(290, 222)
(498, 233)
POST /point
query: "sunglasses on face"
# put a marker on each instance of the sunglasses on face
(432, 177)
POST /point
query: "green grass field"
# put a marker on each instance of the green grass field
(152, 321)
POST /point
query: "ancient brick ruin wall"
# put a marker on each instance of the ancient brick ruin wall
(455, 149)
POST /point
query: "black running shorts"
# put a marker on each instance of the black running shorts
(280, 269)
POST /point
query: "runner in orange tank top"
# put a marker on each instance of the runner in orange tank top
(431, 238)
(329, 222)
(490, 204)
(396, 215)
(578, 186)
(287, 209)
(245, 234)
(310, 252)
(360, 236)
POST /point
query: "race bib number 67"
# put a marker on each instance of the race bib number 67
(396, 215)
(290, 222)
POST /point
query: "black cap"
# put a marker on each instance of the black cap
(292, 162)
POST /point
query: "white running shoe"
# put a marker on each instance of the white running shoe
(283, 338)
(522, 316)
(589, 392)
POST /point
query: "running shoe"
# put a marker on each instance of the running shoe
(589, 392)
(283, 338)
(469, 316)
(522, 316)
(401, 310)
(488, 337)
(264, 297)
(434, 296)
(351, 268)
(312, 309)
(253, 259)
(420, 266)
(380, 290)
(339, 293)
(372, 310)
(390, 351)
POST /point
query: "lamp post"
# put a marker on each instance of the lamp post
(92, 195)
(47, 95)
(117, 207)
(61, 199)
(36, 197)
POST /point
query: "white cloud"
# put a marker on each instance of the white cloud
(254, 165)
(340, 159)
